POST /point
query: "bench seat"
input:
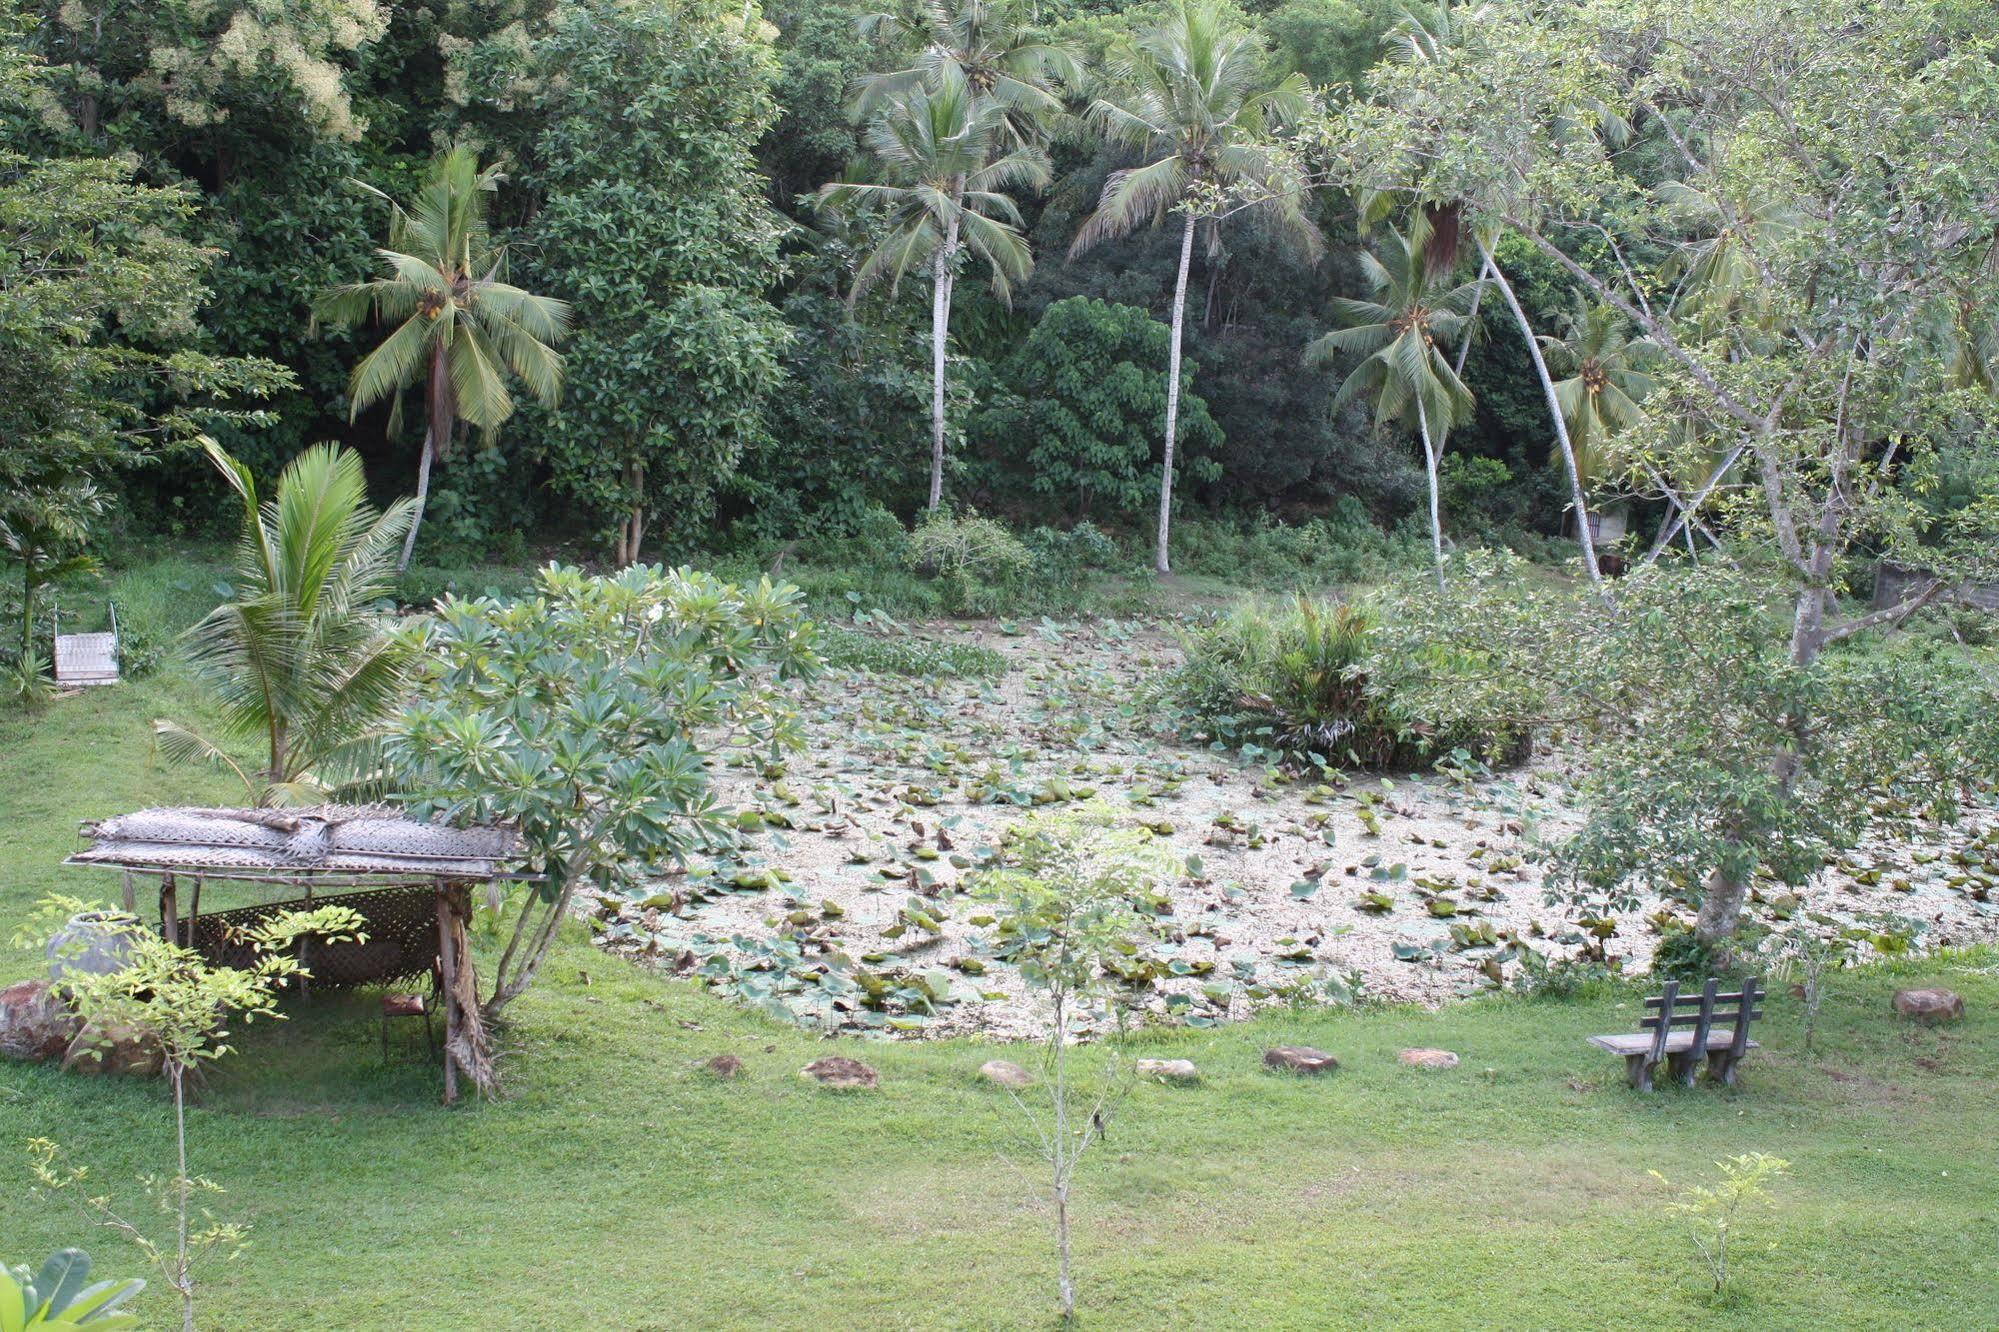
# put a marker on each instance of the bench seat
(1640, 1042)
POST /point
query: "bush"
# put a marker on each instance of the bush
(1295, 679)
(1341, 548)
(976, 561)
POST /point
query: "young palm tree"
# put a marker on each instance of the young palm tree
(946, 193)
(299, 661)
(1191, 96)
(1002, 61)
(1402, 333)
(458, 327)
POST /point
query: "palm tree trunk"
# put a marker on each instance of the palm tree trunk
(940, 324)
(1161, 562)
(1436, 507)
(1576, 496)
(422, 495)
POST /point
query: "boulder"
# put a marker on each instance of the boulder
(724, 1066)
(1172, 1070)
(1005, 1073)
(35, 1021)
(1299, 1059)
(1932, 1004)
(113, 1050)
(840, 1071)
(1421, 1058)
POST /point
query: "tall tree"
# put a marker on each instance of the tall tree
(1193, 97)
(653, 223)
(1402, 333)
(946, 192)
(459, 327)
(1603, 381)
(1004, 62)
(300, 660)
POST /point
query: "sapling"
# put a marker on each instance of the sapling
(1711, 1210)
(1063, 909)
(1804, 957)
(171, 999)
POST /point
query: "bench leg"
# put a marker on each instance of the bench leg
(1638, 1070)
(1721, 1067)
(1681, 1067)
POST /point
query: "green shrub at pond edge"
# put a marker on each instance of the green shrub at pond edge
(1294, 679)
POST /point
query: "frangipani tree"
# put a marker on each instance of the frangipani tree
(1194, 99)
(947, 191)
(1403, 333)
(459, 328)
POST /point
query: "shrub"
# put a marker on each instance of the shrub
(975, 560)
(1296, 679)
(1343, 547)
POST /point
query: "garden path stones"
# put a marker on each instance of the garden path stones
(840, 1071)
(1422, 1058)
(1930, 1004)
(1169, 1070)
(1299, 1059)
(1004, 1073)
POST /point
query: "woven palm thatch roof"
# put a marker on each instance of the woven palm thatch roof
(335, 841)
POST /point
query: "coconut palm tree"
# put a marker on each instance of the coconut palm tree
(1402, 334)
(1192, 97)
(1603, 382)
(1004, 63)
(946, 193)
(459, 328)
(300, 661)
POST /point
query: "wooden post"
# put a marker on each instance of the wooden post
(131, 898)
(169, 910)
(447, 957)
(1698, 1050)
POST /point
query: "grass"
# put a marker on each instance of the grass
(617, 1185)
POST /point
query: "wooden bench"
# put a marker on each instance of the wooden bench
(1681, 1029)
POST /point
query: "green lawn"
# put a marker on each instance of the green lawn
(618, 1187)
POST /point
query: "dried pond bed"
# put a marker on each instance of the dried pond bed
(843, 906)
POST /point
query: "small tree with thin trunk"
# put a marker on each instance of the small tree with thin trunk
(1193, 97)
(1063, 908)
(170, 998)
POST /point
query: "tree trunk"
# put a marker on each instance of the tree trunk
(1721, 907)
(1161, 561)
(940, 323)
(177, 1076)
(1436, 507)
(422, 496)
(1471, 319)
(1576, 497)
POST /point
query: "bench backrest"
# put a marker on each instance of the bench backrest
(1672, 1009)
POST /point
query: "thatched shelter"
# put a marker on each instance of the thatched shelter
(409, 881)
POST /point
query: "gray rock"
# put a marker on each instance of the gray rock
(1299, 1059)
(35, 1021)
(840, 1071)
(1172, 1070)
(1930, 1004)
(1005, 1073)
(1420, 1058)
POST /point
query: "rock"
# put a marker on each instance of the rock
(1173, 1070)
(1004, 1073)
(1930, 1004)
(1299, 1059)
(724, 1066)
(1428, 1058)
(35, 1022)
(113, 1050)
(840, 1071)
